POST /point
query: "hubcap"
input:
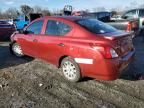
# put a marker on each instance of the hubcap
(69, 70)
(17, 50)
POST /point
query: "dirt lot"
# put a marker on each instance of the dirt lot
(32, 83)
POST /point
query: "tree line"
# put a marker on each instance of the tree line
(12, 13)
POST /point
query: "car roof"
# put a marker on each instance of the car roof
(136, 9)
(70, 18)
(140, 9)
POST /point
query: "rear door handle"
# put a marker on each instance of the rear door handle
(61, 44)
(35, 40)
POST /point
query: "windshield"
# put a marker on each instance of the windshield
(96, 26)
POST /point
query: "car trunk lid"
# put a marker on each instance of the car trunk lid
(122, 42)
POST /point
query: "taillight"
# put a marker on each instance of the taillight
(110, 53)
(113, 53)
(107, 52)
(129, 27)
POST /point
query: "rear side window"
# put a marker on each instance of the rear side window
(141, 13)
(96, 26)
(35, 28)
(130, 14)
(57, 28)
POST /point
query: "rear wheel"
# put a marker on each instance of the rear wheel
(70, 70)
(16, 49)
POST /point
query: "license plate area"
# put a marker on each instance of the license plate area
(126, 45)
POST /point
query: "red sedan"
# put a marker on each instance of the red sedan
(81, 47)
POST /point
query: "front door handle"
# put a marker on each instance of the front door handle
(35, 40)
(61, 44)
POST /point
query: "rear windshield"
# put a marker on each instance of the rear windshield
(96, 26)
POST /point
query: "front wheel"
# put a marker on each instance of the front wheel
(70, 70)
(16, 49)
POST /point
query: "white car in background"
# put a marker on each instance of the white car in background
(10, 21)
(116, 17)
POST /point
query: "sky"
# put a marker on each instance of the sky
(59, 4)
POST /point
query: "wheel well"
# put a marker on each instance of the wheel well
(12, 43)
(10, 47)
(60, 60)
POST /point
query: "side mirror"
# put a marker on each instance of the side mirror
(23, 31)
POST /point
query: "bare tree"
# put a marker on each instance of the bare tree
(117, 11)
(37, 9)
(26, 10)
(57, 11)
(114, 13)
(12, 12)
(46, 12)
(98, 9)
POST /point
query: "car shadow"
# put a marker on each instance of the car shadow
(86, 79)
(8, 60)
(131, 76)
(136, 68)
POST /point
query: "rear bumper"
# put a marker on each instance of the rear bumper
(107, 69)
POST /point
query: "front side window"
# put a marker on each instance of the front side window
(35, 28)
(57, 28)
(96, 26)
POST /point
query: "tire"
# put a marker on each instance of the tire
(16, 50)
(70, 70)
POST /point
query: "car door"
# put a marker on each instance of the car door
(52, 44)
(29, 39)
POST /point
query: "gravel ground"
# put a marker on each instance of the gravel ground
(33, 83)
